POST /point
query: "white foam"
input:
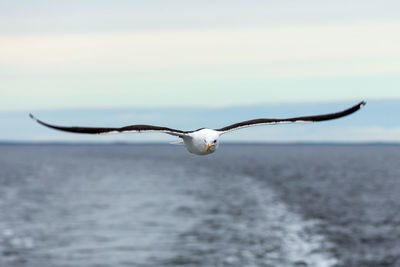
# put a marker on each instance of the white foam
(299, 243)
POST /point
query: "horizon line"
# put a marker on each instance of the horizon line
(133, 143)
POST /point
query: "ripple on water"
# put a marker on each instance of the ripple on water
(125, 206)
(241, 223)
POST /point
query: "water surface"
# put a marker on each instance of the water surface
(156, 205)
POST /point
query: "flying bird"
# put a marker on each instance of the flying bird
(202, 141)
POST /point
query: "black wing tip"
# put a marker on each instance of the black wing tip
(36, 119)
(32, 117)
(358, 106)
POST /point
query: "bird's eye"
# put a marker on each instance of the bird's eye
(215, 141)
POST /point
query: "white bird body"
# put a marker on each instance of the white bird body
(203, 141)
(197, 142)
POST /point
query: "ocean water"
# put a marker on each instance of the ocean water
(158, 205)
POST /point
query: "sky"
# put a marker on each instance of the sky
(92, 55)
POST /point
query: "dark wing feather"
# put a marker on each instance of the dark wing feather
(315, 118)
(97, 130)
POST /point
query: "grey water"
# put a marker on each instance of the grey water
(158, 205)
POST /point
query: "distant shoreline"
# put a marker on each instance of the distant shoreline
(324, 143)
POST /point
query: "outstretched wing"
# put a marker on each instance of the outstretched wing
(315, 118)
(97, 130)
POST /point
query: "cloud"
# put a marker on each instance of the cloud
(200, 67)
(360, 44)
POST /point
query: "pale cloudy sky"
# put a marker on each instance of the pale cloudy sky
(68, 54)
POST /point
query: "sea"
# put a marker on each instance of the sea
(145, 205)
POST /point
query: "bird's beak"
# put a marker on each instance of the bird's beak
(207, 147)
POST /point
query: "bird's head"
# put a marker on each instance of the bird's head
(211, 143)
(204, 141)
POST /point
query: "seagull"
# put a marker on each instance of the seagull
(202, 141)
